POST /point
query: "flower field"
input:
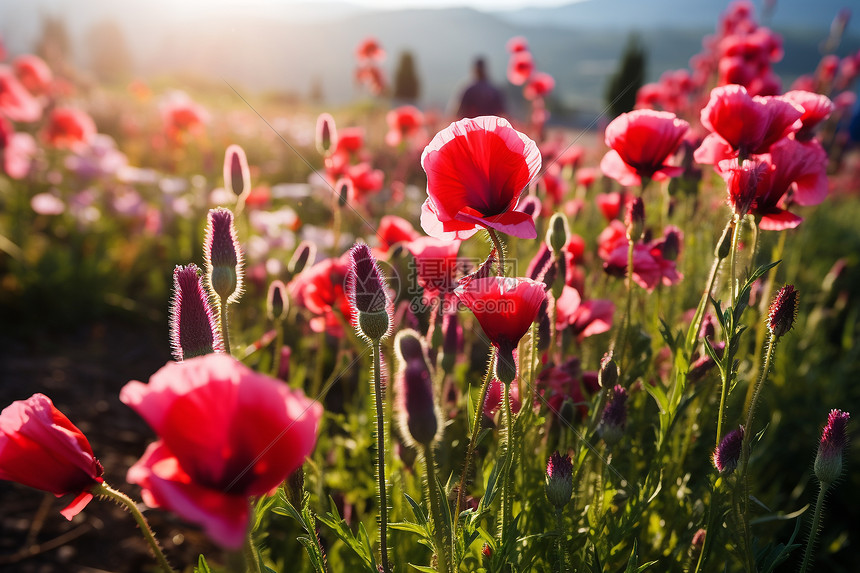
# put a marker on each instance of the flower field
(238, 334)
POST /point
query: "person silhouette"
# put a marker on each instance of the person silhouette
(481, 97)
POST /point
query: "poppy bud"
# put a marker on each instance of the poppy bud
(530, 205)
(344, 190)
(368, 294)
(559, 480)
(326, 133)
(728, 453)
(741, 182)
(276, 301)
(724, 246)
(783, 311)
(305, 253)
(614, 418)
(828, 461)
(607, 377)
(452, 341)
(223, 256)
(671, 246)
(237, 176)
(634, 219)
(192, 322)
(558, 233)
(419, 415)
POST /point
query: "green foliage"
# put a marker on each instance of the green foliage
(627, 79)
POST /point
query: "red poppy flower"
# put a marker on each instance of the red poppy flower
(34, 73)
(181, 116)
(41, 448)
(392, 230)
(642, 141)
(476, 171)
(505, 307)
(435, 261)
(816, 108)
(226, 433)
(16, 103)
(586, 176)
(649, 266)
(517, 44)
(365, 179)
(320, 290)
(369, 49)
(495, 393)
(404, 123)
(743, 125)
(742, 182)
(18, 155)
(585, 318)
(69, 128)
(539, 85)
(520, 67)
(610, 203)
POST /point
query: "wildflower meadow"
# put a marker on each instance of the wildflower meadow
(241, 333)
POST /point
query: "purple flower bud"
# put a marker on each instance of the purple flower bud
(452, 341)
(326, 133)
(828, 461)
(728, 453)
(559, 479)
(223, 256)
(305, 253)
(614, 418)
(276, 301)
(634, 218)
(530, 205)
(368, 294)
(344, 189)
(192, 322)
(783, 311)
(670, 247)
(419, 415)
(237, 176)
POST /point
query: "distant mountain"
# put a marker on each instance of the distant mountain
(266, 46)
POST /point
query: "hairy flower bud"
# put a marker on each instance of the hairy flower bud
(728, 453)
(559, 480)
(305, 253)
(344, 190)
(326, 133)
(237, 176)
(742, 182)
(724, 246)
(192, 322)
(828, 461)
(558, 233)
(634, 219)
(276, 301)
(607, 377)
(614, 418)
(368, 293)
(419, 415)
(223, 256)
(783, 311)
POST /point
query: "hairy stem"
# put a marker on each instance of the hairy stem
(440, 525)
(225, 332)
(252, 561)
(732, 256)
(507, 494)
(500, 249)
(117, 496)
(379, 397)
(813, 533)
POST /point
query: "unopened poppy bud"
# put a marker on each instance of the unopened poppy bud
(728, 453)
(783, 311)
(506, 367)
(306, 252)
(237, 176)
(634, 219)
(368, 293)
(607, 377)
(671, 246)
(614, 418)
(742, 182)
(344, 190)
(452, 341)
(192, 322)
(558, 233)
(559, 480)
(543, 330)
(223, 256)
(276, 301)
(326, 133)
(530, 205)
(697, 544)
(828, 461)
(419, 415)
(724, 246)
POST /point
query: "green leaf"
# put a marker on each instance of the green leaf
(659, 396)
(417, 510)
(409, 527)
(634, 559)
(423, 568)
(718, 312)
(202, 565)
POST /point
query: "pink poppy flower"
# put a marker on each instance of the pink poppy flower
(742, 182)
(743, 125)
(404, 123)
(816, 108)
(392, 230)
(16, 103)
(33, 73)
(435, 262)
(226, 433)
(18, 155)
(369, 49)
(520, 67)
(320, 289)
(476, 171)
(649, 266)
(586, 176)
(584, 318)
(539, 85)
(642, 141)
(517, 44)
(41, 448)
(495, 393)
(69, 128)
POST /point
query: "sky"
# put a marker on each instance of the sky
(478, 4)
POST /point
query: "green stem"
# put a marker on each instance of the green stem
(560, 546)
(500, 250)
(724, 388)
(696, 324)
(507, 494)
(379, 397)
(440, 529)
(732, 256)
(225, 332)
(251, 559)
(476, 429)
(625, 329)
(813, 533)
(117, 496)
(279, 342)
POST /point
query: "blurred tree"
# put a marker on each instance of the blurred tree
(407, 86)
(316, 94)
(630, 76)
(109, 56)
(54, 45)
